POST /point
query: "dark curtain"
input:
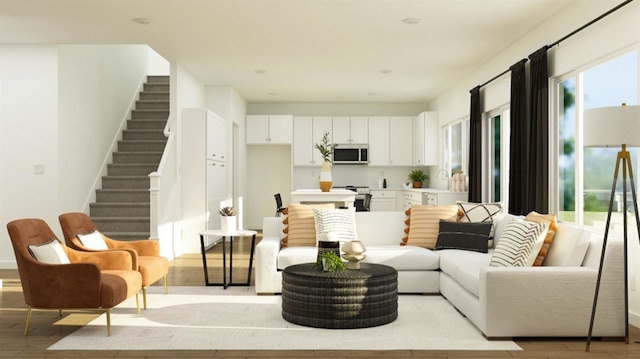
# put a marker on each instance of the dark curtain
(539, 154)
(519, 191)
(475, 147)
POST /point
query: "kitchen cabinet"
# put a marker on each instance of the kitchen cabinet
(426, 139)
(400, 141)
(411, 198)
(307, 131)
(442, 197)
(383, 200)
(205, 174)
(378, 141)
(263, 129)
(350, 129)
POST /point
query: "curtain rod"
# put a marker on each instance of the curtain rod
(568, 36)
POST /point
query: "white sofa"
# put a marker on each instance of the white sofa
(502, 302)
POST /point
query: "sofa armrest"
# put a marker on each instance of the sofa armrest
(536, 301)
(268, 279)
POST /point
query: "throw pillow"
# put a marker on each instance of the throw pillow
(300, 227)
(551, 232)
(465, 236)
(342, 222)
(569, 246)
(50, 252)
(517, 243)
(93, 241)
(480, 213)
(424, 224)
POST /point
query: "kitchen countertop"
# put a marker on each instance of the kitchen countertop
(421, 190)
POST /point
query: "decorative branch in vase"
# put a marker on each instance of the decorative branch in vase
(326, 151)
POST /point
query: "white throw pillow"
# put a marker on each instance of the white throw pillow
(93, 241)
(341, 222)
(516, 247)
(569, 246)
(480, 213)
(50, 252)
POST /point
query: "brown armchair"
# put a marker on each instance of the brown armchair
(145, 253)
(90, 280)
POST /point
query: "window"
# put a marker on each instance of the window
(496, 156)
(456, 146)
(585, 175)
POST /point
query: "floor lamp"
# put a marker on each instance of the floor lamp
(617, 126)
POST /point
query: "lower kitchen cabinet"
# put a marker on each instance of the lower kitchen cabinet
(383, 200)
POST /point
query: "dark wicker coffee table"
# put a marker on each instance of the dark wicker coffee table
(346, 299)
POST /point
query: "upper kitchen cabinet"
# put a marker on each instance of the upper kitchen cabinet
(426, 139)
(378, 141)
(400, 140)
(350, 129)
(263, 129)
(216, 137)
(307, 131)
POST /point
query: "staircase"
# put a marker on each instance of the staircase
(121, 209)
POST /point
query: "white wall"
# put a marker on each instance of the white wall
(614, 33)
(98, 88)
(42, 124)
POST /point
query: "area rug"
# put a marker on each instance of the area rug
(210, 318)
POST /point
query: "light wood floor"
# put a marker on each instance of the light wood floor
(187, 271)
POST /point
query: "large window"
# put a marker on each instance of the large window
(496, 156)
(586, 174)
(456, 146)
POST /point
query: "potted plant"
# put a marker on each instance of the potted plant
(228, 219)
(326, 150)
(329, 262)
(417, 177)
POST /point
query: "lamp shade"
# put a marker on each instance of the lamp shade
(612, 126)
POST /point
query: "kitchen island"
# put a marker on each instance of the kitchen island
(341, 197)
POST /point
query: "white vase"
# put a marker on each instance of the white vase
(325, 177)
(228, 224)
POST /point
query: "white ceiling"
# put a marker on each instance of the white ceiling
(309, 50)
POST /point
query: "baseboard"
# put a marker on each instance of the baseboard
(8, 265)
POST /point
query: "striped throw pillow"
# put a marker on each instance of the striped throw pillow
(339, 221)
(517, 243)
(424, 224)
(300, 227)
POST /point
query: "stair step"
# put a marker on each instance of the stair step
(128, 236)
(152, 105)
(122, 224)
(122, 195)
(137, 157)
(139, 182)
(154, 95)
(149, 114)
(141, 145)
(143, 135)
(156, 87)
(112, 209)
(131, 169)
(146, 124)
(155, 79)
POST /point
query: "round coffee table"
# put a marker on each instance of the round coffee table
(353, 298)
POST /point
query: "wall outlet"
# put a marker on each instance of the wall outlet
(38, 169)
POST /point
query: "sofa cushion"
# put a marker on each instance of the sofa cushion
(401, 258)
(300, 227)
(342, 222)
(519, 244)
(464, 266)
(465, 236)
(424, 224)
(296, 255)
(569, 246)
(551, 232)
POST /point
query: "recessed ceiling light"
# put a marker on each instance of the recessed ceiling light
(141, 20)
(371, 93)
(385, 71)
(411, 20)
(260, 72)
(272, 93)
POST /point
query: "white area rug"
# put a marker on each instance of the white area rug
(209, 318)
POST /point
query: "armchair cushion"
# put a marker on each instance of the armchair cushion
(93, 240)
(50, 252)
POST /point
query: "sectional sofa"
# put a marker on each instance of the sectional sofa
(542, 301)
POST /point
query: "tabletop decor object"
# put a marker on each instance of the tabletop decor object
(326, 151)
(417, 177)
(617, 126)
(329, 262)
(228, 219)
(354, 252)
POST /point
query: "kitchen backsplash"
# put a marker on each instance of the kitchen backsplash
(356, 175)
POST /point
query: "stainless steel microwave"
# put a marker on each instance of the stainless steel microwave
(354, 154)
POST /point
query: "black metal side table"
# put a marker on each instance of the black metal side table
(231, 236)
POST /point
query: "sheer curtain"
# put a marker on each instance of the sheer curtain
(475, 147)
(539, 148)
(519, 192)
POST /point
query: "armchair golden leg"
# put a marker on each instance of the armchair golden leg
(144, 297)
(26, 324)
(109, 322)
(138, 302)
(164, 282)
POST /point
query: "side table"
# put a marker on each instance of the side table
(225, 235)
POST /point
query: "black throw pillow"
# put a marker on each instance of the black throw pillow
(463, 235)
